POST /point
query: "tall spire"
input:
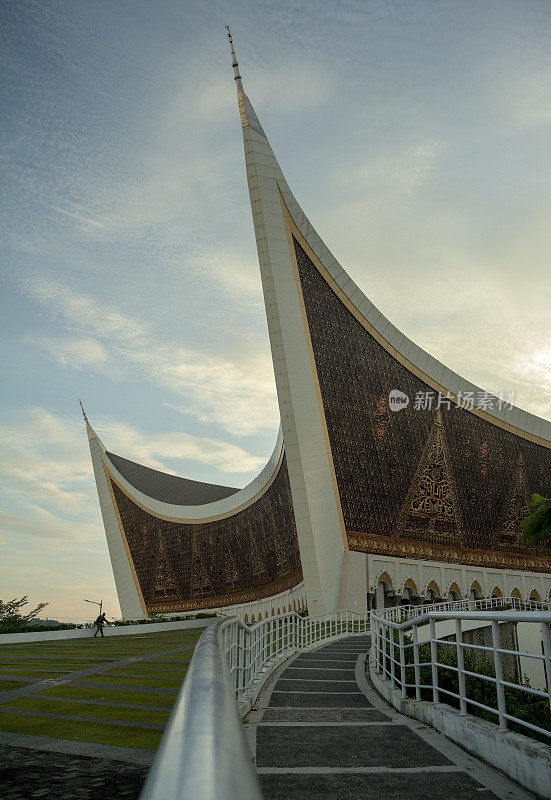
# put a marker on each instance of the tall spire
(235, 63)
(83, 411)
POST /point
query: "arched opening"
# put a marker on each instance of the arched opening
(535, 595)
(385, 596)
(246, 619)
(454, 592)
(516, 593)
(475, 592)
(432, 594)
(410, 593)
(252, 620)
(496, 592)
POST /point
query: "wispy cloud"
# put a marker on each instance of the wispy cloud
(75, 352)
(159, 450)
(237, 397)
(400, 169)
(81, 312)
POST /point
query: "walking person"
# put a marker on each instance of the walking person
(99, 623)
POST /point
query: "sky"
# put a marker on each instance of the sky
(416, 137)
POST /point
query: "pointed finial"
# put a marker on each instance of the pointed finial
(83, 411)
(235, 63)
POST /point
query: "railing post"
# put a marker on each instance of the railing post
(546, 641)
(460, 667)
(391, 654)
(501, 707)
(402, 663)
(416, 665)
(434, 662)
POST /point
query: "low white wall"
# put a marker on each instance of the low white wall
(109, 630)
(524, 760)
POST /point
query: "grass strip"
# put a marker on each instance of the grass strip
(51, 666)
(173, 683)
(100, 733)
(154, 668)
(98, 649)
(37, 674)
(84, 710)
(131, 671)
(6, 686)
(108, 695)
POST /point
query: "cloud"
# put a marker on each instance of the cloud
(43, 524)
(524, 96)
(401, 170)
(44, 462)
(155, 450)
(80, 311)
(77, 353)
(237, 397)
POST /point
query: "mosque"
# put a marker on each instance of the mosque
(392, 479)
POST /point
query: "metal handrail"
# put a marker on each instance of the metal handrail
(389, 647)
(203, 753)
(398, 613)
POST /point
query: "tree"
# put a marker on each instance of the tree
(11, 618)
(536, 528)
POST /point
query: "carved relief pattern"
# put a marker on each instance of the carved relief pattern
(483, 460)
(375, 473)
(516, 509)
(430, 505)
(184, 566)
(382, 418)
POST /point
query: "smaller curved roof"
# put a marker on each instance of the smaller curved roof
(169, 488)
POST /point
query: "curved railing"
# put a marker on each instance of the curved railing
(203, 747)
(425, 653)
(401, 613)
(203, 753)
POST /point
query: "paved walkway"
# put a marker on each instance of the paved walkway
(320, 731)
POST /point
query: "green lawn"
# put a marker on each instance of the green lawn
(146, 681)
(109, 695)
(5, 686)
(55, 659)
(98, 732)
(39, 703)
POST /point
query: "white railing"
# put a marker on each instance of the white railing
(203, 753)
(253, 652)
(423, 664)
(402, 613)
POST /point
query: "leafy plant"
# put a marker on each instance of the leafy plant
(11, 618)
(536, 529)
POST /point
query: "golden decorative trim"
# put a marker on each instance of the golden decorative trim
(202, 520)
(402, 548)
(394, 352)
(108, 478)
(435, 451)
(292, 230)
(410, 584)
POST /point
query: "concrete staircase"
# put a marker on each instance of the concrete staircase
(320, 731)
